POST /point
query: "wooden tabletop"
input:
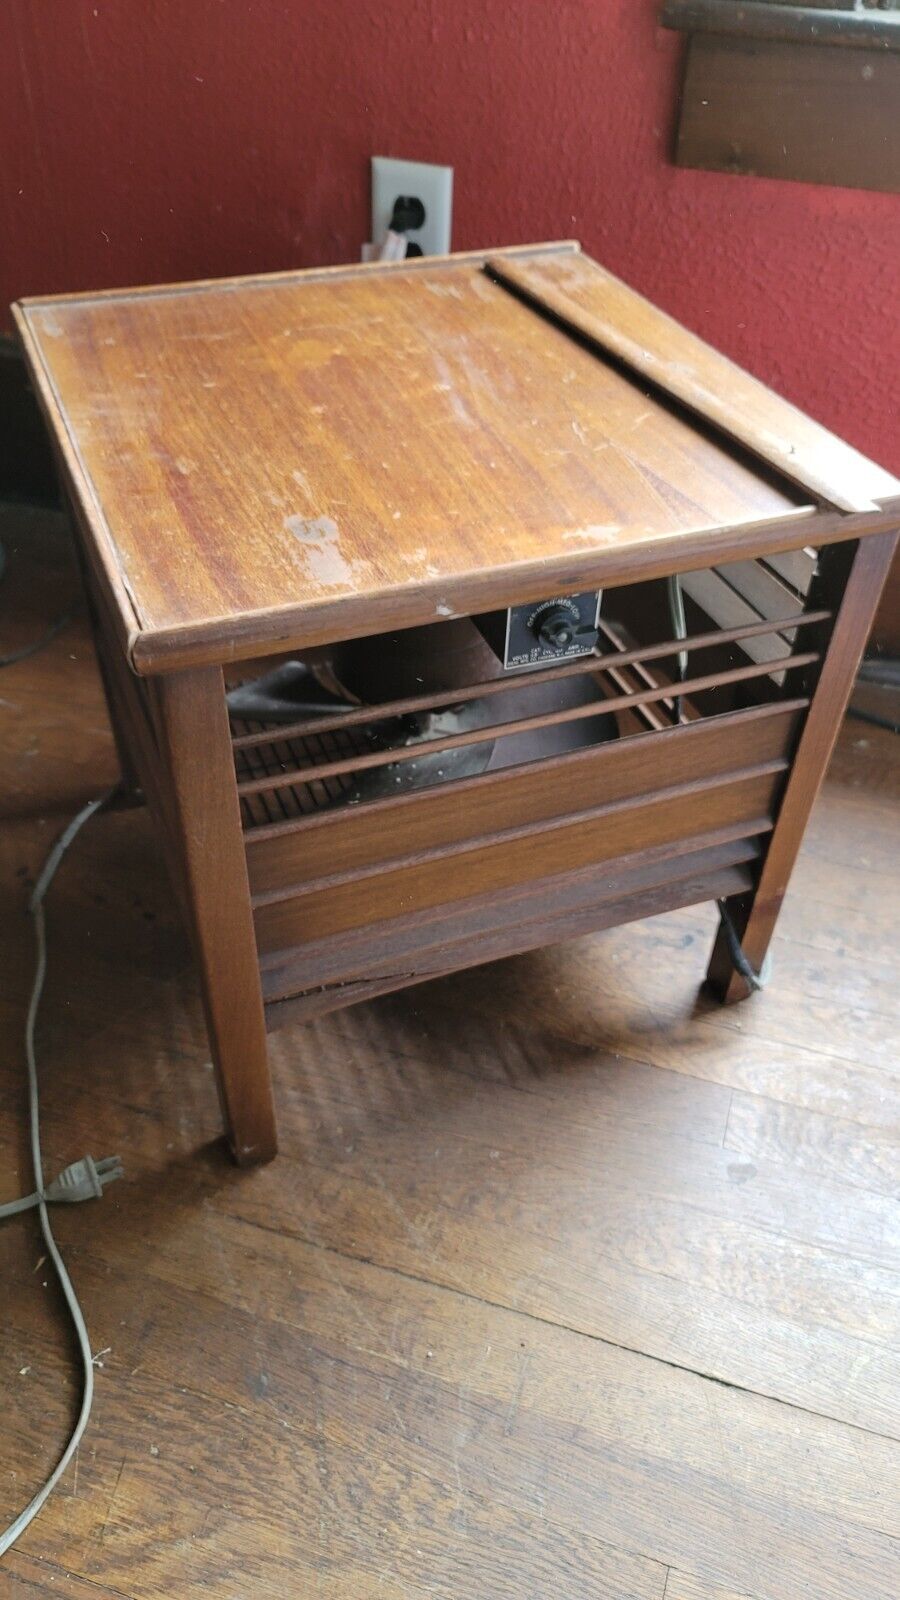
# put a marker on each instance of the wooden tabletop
(281, 460)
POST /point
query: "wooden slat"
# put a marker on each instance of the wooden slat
(357, 716)
(345, 841)
(762, 589)
(738, 591)
(794, 567)
(656, 717)
(651, 718)
(612, 317)
(718, 600)
(551, 903)
(639, 697)
(520, 856)
(438, 961)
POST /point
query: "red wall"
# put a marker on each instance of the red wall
(158, 139)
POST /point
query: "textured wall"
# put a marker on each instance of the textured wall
(160, 139)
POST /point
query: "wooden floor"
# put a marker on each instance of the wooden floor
(565, 1285)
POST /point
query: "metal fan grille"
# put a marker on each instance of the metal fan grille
(282, 755)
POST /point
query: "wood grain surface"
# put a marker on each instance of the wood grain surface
(565, 1282)
(337, 843)
(524, 855)
(611, 317)
(247, 455)
(769, 107)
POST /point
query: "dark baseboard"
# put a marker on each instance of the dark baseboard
(27, 472)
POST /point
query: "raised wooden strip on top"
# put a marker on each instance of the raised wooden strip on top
(261, 448)
(614, 319)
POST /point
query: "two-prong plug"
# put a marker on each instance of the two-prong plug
(85, 1179)
(81, 1180)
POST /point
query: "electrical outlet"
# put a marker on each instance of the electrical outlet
(432, 185)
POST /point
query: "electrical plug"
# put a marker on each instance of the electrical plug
(85, 1179)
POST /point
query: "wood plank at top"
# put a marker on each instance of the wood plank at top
(250, 453)
(615, 319)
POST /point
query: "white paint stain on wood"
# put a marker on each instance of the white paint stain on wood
(319, 538)
(446, 385)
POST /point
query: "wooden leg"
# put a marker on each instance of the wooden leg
(131, 782)
(755, 915)
(195, 751)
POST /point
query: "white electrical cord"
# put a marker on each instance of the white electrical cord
(79, 1182)
(753, 979)
(679, 628)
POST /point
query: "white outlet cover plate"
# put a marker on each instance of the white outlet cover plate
(433, 186)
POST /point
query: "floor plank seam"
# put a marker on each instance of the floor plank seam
(727, 1121)
(656, 1272)
(840, 1252)
(580, 1333)
(735, 1026)
(104, 1589)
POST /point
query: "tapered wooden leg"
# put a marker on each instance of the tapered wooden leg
(755, 915)
(195, 751)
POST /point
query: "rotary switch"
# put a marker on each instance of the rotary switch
(555, 628)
